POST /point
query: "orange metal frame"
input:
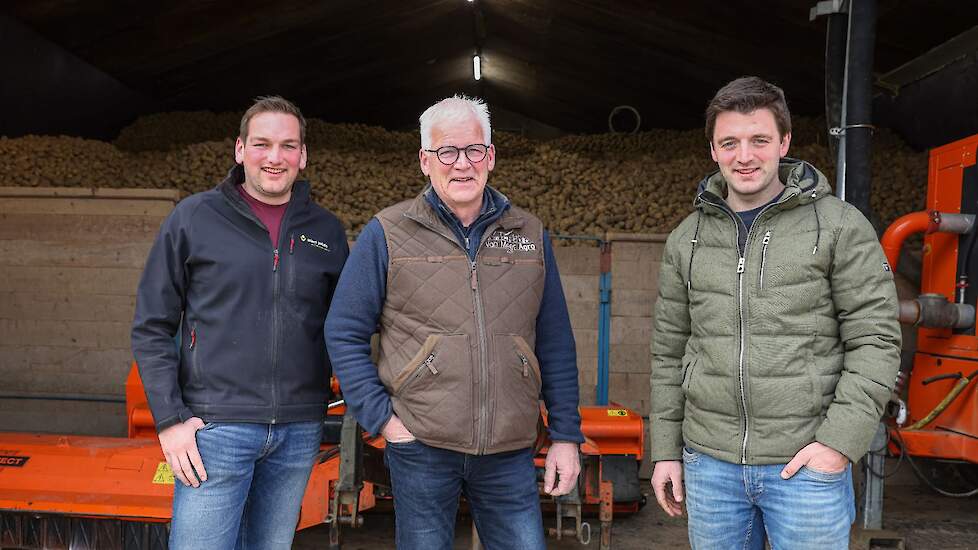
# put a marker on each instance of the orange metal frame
(127, 478)
(954, 433)
(124, 478)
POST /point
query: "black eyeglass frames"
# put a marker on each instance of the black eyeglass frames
(448, 154)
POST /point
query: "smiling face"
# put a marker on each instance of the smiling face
(272, 156)
(748, 149)
(459, 185)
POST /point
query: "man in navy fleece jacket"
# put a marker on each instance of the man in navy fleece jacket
(464, 291)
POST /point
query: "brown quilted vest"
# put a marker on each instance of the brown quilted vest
(457, 338)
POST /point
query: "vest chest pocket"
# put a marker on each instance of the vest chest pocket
(516, 386)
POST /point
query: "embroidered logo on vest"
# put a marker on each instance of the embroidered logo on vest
(510, 241)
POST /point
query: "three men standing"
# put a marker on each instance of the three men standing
(776, 342)
(243, 274)
(464, 291)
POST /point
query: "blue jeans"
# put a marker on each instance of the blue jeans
(736, 506)
(501, 490)
(256, 476)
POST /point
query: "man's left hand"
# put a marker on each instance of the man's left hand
(818, 457)
(563, 465)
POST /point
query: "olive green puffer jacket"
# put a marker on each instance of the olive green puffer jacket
(796, 340)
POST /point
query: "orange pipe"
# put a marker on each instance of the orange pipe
(899, 230)
(143, 418)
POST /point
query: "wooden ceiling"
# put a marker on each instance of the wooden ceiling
(566, 63)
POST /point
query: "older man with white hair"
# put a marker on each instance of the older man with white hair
(464, 291)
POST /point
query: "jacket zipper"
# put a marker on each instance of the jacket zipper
(482, 439)
(427, 364)
(480, 327)
(740, 311)
(246, 211)
(767, 239)
(740, 360)
(275, 332)
(194, 359)
(526, 365)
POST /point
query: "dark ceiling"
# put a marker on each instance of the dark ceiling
(566, 63)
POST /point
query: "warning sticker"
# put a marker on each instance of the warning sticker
(617, 412)
(163, 475)
(13, 461)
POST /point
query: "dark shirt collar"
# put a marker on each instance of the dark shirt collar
(489, 208)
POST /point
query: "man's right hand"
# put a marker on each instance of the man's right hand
(395, 432)
(667, 483)
(179, 444)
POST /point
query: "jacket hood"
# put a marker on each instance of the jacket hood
(800, 178)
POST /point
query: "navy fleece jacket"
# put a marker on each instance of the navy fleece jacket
(359, 300)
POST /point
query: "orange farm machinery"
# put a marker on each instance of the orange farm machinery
(79, 492)
(935, 411)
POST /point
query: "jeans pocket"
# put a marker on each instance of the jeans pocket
(207, 426)
(402, 444)
(690, 456)
(825, 477)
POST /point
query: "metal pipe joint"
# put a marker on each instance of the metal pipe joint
(945, 222)
(935, 311)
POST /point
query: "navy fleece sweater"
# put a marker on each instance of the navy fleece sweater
(359, 300)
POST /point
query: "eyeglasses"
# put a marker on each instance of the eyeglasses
(448, 154)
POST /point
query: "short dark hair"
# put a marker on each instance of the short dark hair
(272, 104)
(746, 95)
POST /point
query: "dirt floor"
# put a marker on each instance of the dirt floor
(927, 522)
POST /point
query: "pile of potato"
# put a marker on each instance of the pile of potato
(578, 184)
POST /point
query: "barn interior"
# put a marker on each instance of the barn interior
(113, 111)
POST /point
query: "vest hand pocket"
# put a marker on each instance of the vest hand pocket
(516, 385)
(432, 394)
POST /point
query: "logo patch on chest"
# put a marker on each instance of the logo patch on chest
(510, 241)
(313, 242)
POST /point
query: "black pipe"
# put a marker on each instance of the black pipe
(837, 25)
(859, 103)
(64, 397)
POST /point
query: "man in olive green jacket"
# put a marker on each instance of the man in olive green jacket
(776, 342)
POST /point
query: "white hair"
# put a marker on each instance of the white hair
(457, 108)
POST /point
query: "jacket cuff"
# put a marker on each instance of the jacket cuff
(379, 426)
(374, 424)
(182, 415)
(848, 440)
(664, 455)
(567, 437)
(667, 440)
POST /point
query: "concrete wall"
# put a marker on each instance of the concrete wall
(635, 262)
(580, 271)
(72, 259)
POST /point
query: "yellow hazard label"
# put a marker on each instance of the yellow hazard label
(617, 412)
(163, 475)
